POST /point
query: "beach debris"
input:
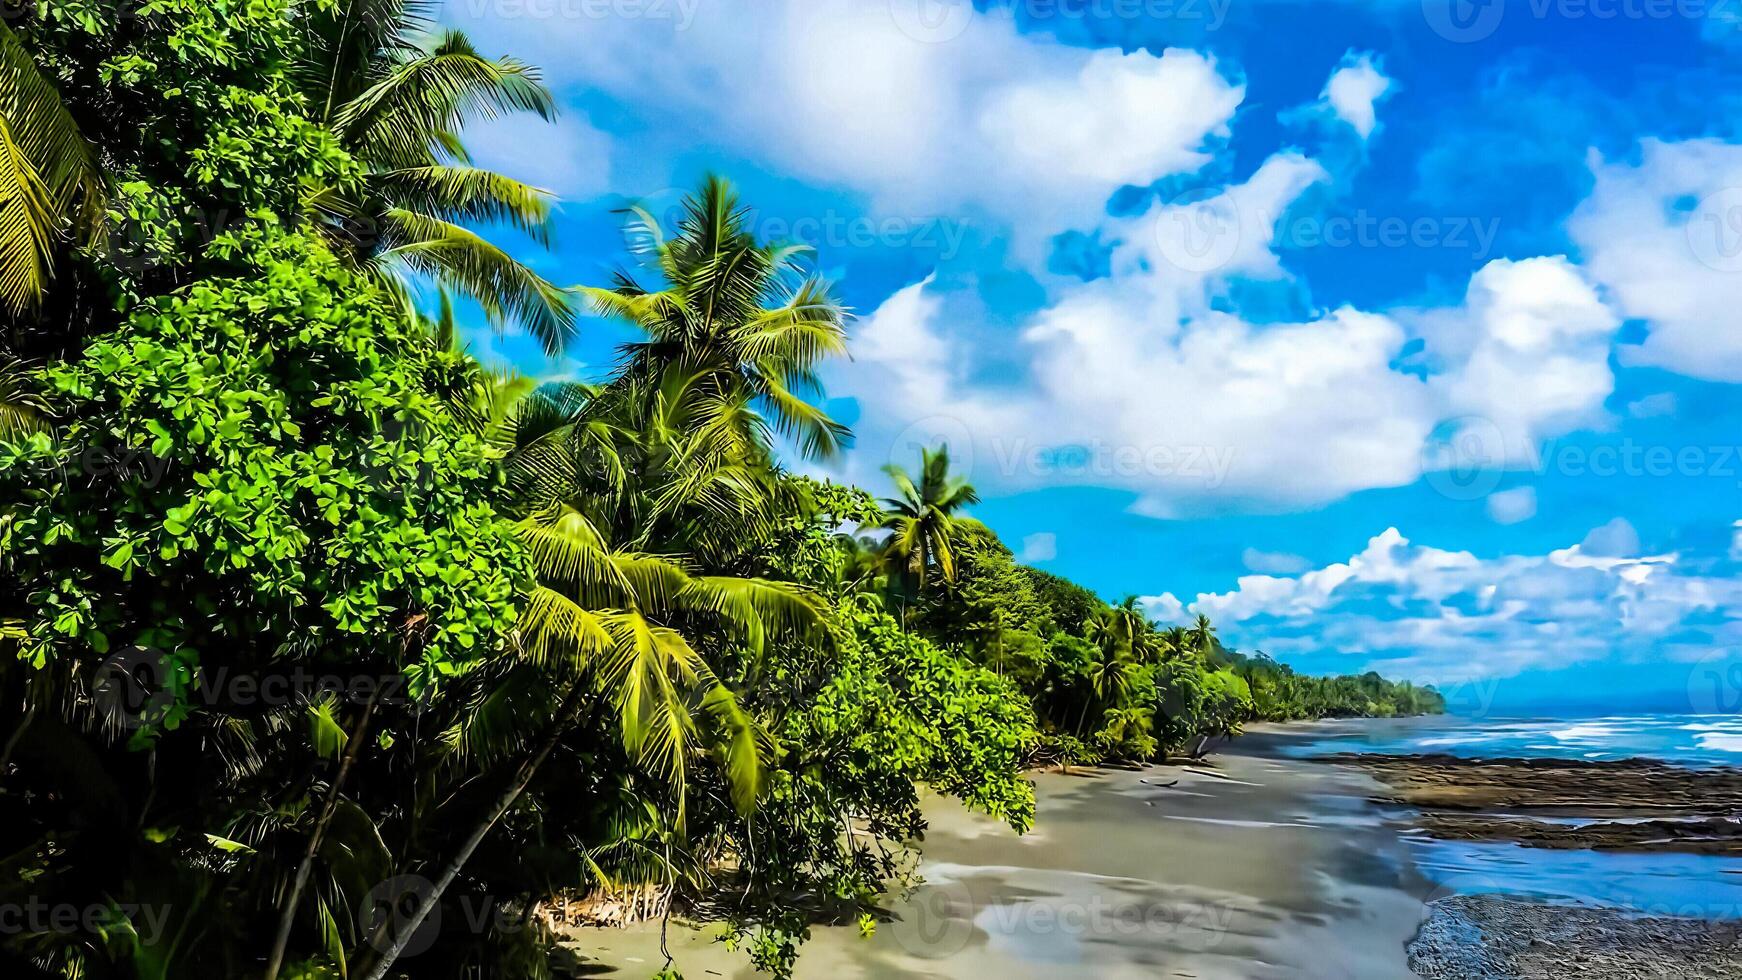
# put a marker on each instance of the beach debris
(1207, 772)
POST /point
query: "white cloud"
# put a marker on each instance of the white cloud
(917, 116)
(1137, 381)
(1512, 506)
(1038, 547)
(1273, 562)
(1164, 608)
(1446, 616)
(1616, 539)
(1663, 238)
(1354, 90)
(1527, 354)
(567, 156)
(1653, 406)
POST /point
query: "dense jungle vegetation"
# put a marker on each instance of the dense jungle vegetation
(317, 632)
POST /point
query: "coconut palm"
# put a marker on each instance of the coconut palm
(51, 189)
(609, 626)
(397, 96)
(1203, 635)
(1127, 626)
(1110, 675)
(923, 519)
(743, 318)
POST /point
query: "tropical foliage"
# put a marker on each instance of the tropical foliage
(327, 652)
(397, 94)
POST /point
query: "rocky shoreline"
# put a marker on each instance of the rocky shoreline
(1635, 805)
(1630, 805)
(1493, 937)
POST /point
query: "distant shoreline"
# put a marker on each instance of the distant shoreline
(1639, 806)
(1249, 865)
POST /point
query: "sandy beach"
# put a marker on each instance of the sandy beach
(1251, 867)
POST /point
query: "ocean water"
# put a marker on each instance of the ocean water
(1690, 740)
(1702, 886)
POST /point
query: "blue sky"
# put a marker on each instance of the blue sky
(1395, 334)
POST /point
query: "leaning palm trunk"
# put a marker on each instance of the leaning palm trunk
(451, 870)
(287, 914)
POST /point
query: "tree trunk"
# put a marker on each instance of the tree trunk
(452, 870)
(287, 914)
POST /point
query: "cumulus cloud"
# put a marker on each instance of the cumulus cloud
(1512, 506)
(1664, 237)
(912, 113)
(1446, 616)
(1616, 539)
(568, 156)
(1141, 381)
(1652, 406)
(1273, 562)
(1354, 91)
(1038, 547)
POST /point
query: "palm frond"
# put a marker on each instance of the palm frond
(468, 194)
(22, 409)
(555, 632)
(51, 189)
(755, 607)
(393, 120)
(747, 750)
(504, 287)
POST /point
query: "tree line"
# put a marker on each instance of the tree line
(317, 636)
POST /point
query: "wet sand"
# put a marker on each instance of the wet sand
(1254, 867)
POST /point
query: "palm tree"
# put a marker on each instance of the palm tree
(1203, 635)
(610, 627)
(51, 188)
(397, 98)
(1175, 642)
(1129, 626)
(1110, 676)
(923, 519)
(742, 318)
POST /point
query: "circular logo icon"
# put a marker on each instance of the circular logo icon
(130, 687)
(391, 906)
(1463, 883)
(1715, 683)
(932, 21)
(1464, 21)
(932, 432)
(937, 921)
(1469, 461)
(1714, 230)
(654, 217)
(1199, 231)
